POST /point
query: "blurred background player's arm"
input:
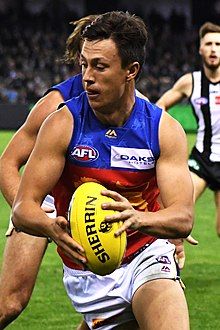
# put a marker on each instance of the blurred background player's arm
(180, 90)
(19, 148)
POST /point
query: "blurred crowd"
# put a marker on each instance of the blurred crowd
(31, 49)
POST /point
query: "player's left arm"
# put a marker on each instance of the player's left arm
(174, 180)
(176, 189)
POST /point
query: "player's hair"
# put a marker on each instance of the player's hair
(208, 27)
(73, 43)
(128, 31)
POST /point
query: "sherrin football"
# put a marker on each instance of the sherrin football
(103, 250)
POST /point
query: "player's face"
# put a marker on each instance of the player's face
(210, 50)
(103, 77)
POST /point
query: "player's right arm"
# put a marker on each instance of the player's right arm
(21, 145)
(180, 90)
(41, 173)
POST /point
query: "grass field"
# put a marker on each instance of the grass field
(50, 308)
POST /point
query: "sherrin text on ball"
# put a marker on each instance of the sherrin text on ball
(103, 250)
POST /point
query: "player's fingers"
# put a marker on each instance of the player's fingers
(181, 262)
(113, 194)
(71, 247)
(180, 259)
(63, 238)
(120, 216)
(62, 223)
(126, 225)
(78, 258)
(116, 206)
(191, 240)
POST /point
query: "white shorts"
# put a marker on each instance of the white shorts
(105, 301)
(48, 202)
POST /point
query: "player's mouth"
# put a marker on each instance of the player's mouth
(213, 58)
(92, 94)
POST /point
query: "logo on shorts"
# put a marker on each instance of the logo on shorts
(163, 260)
(84, 153)
(165, 269)
(96, 323)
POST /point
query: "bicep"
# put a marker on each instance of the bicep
(173, 175)
(41, 172)
(47, 160)
(19, 148)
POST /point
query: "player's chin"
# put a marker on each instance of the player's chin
(212, 65)
(97, 106)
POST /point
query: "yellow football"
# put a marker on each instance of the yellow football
(103, 250)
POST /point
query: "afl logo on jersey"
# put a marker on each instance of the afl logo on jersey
(84, 153)
(201, 100)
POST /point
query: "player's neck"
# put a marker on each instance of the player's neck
(212, 74)
(117, 114)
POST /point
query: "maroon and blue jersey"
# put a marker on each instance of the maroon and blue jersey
(69, 88)
(122, 159)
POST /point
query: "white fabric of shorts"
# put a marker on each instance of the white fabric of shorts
(48, 202)
(105, 301)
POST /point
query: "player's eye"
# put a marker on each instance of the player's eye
(100, 67)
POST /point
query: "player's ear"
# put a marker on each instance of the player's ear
(132, 71)
(200, 47)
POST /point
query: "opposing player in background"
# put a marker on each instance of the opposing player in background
(203, 90)
(145, 292)
(23, 253)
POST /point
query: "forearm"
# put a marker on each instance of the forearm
(173, 222)
(9, 181)
(31, 219)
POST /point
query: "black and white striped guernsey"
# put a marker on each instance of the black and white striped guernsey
(205, 100)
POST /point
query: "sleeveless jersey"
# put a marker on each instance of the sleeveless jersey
(205, 100)
(69, 88)
(121, 158)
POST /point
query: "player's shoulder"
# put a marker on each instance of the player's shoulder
(77, 103)
(185, 79)
(170, 125)
(184, 84)
(146, 103)
(148, 110)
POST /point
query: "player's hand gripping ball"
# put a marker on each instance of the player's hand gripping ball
(103, 250)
